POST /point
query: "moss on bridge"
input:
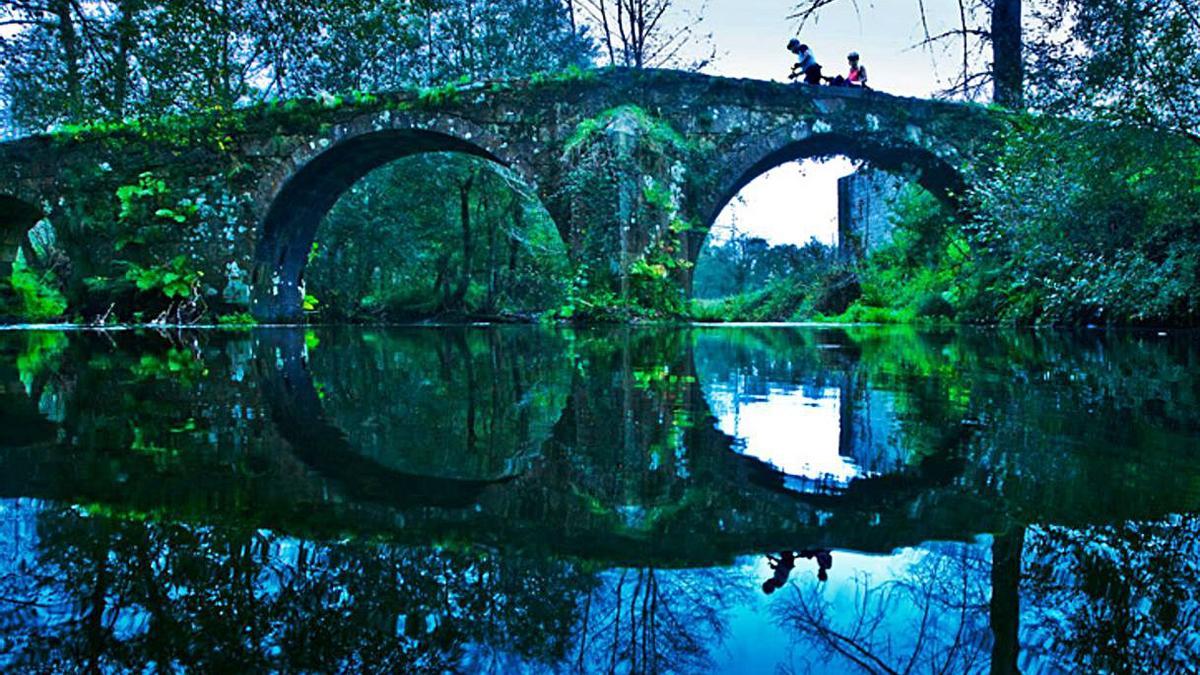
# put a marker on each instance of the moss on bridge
(215, 177)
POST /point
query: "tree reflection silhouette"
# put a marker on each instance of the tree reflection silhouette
(931, 616)
(648, 621)
(112, 594)
(1120, 598)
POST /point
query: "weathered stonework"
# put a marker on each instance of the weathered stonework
(261, 179)
(865, 200)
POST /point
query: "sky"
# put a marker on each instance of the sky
(796, 202)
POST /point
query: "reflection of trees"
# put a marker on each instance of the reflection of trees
(649, 621)
(456, 403)
(96, 592)
(932, 617)
(631, 405)
(1119, 599)
(632, 471)
(84, 590)
(28, 391)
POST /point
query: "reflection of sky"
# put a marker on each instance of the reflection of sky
(794, 429)
(926, 605)
(760, 638)
(759, 641)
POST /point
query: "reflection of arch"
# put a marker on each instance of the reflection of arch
(456, 402)
(789, 361)
(297, 413)
(306, 196)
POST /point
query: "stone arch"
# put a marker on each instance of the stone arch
(17, 217)
(766, 152)
(321, 172)
(921, 165)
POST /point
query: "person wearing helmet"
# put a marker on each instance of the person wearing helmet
(806, 64)
(858, 72)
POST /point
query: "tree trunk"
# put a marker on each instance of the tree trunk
(69, 38)
(227, 96)
(1008, 66)
(126, 41)
(493, 266)
(468, 244)
(439, 283)
(460, 340)
(510, 275)
(1005, 614)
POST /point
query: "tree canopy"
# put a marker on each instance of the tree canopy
(72, 61)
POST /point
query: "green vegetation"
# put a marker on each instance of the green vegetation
(1067, 234)
(625, 190)
(436, 236)
(191, 78)
(913, 277)
(241, 319)
(35, 294)
(1091, 221)
(172, 280)
(779, 300)
(656, 133)
(1059, 235)
(743, 278)
(148, 63)
(1056, 235)
(127, 274)
(1077, 223)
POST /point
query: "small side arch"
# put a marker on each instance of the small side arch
(17, 218)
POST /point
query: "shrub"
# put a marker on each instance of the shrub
(37, 297)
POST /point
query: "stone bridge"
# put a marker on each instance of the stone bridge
(241, 193)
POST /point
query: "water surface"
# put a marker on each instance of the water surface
(746, 499)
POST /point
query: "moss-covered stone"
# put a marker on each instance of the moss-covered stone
(256, 181)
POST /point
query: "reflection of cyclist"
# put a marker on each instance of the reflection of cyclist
(824, 561)
(783, 566)
(786, 562)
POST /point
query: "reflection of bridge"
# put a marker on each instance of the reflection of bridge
(632, 469)
(573, 500)
(616, 435)
(268, 175)
(601, 445)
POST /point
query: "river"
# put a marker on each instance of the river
(625, 499)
